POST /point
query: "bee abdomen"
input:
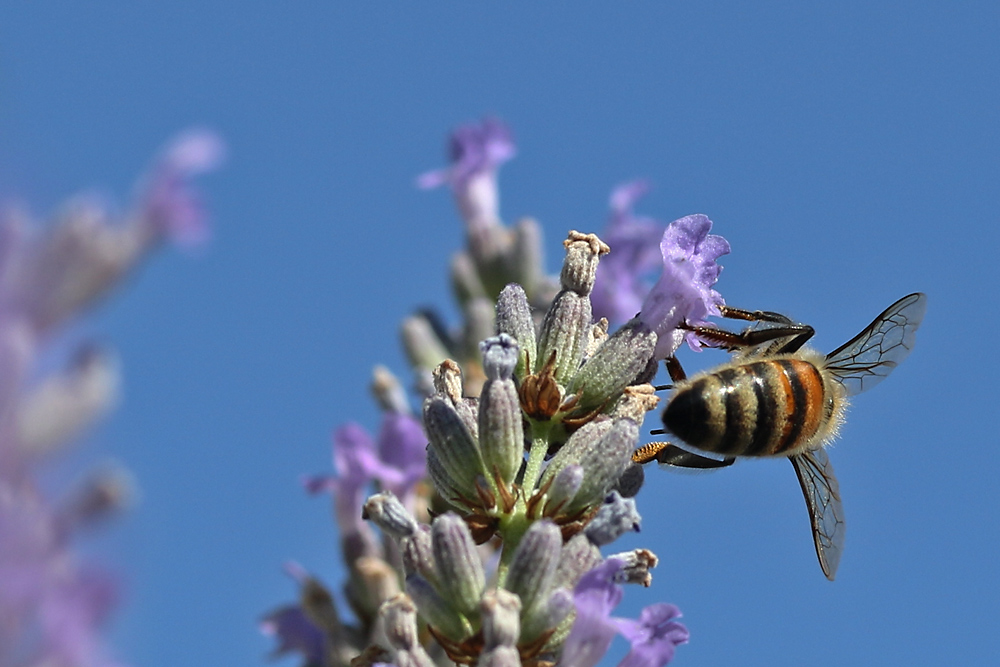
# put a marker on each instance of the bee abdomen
(762, 408)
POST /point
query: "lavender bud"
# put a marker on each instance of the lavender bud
(465, 280)
(564, 487)
(399, 617)
(514, 318)
(549, 615)
(452, 444)
(448, 487)
(424, 348)
(417, 555)
(564, 332)
(62, 406)
(615, 365)
(501, 431)
(372, 582)
(399, 622)
(583, 251)
(436, 610)
(602, 448)
(499, 356)
(388, 392)
(616, 517)
(597, 336)
(468, 412)
(578, 557)
(526, 261)
(448, 380)
(501, 614)
(455, 554)
(386, 512)
(480, 323)
(534, 564)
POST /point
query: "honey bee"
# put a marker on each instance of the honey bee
(778, 398)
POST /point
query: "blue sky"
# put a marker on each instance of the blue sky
(848, 152)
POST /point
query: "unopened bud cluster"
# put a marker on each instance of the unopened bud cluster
(532, 465)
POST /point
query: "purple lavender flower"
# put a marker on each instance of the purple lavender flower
(53, 607)
(623, 276)
(168, 203)
(52, 604)
(476, 153)
(396, 462)
(295, 634)
(653, 636)
(684, 292)
(47, 277)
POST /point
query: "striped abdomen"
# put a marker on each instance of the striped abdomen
(761, 408)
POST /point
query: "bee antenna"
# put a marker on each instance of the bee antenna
(657, 431)
(663, 387)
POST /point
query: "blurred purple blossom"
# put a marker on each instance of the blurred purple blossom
(684, 292)
(52, 604)
(49, 275)
(653, 636)
(626, 274)
(168, 202)
(295, 634)
(396, 461)
(476, 152)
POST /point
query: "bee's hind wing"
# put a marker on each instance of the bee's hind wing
(826, 514)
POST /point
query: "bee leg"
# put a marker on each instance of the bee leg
(797, 335)
(675, 369)
(672, 455)
(754, 315)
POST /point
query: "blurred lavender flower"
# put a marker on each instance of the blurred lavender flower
(625, 276)
(396, 462)
(476, 153)
(684, 292)
(532, 412)
(52, 605)
(50, 276)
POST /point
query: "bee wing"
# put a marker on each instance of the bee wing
(869, 357)
(822, 494)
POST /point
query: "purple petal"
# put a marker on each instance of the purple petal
(402, 448)
(295, 634)
(354, 454)
(476, 151)
(654, 637)
(624, 197)
(595, 597)
(473, 149)
(684, 292)
(624, 276)
(169, 203)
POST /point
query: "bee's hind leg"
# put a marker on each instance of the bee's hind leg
(666, 454)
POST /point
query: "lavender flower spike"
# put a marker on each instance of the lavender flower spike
(626, 274)
(654, 636)
(476, 152)
(684, 292)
